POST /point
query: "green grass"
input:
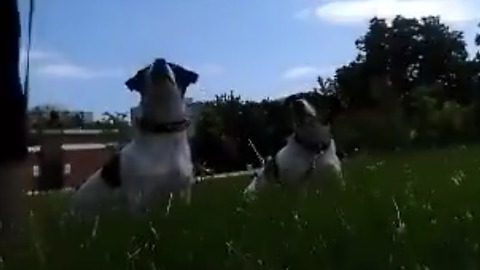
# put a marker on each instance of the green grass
(436, 225)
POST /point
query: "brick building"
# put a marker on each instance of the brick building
(84, 151)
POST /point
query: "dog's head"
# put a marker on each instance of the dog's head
(308, 125)
(162, 87)
(161, 77)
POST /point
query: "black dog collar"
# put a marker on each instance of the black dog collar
(170, 127)
(316, 148)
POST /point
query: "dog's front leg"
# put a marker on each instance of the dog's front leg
(91, 198)
(337, 170)
(258, 183)
(186, 194)
(137, 203)
(335, 163)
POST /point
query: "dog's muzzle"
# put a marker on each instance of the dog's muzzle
(316, 148)
(272, 171)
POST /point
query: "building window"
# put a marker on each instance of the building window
(36, 171)
(67, 168)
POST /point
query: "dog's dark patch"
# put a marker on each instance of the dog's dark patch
(271, 171)
(77, 187)
(110, 172)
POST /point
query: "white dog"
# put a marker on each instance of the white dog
(157, 162)
(309, 150)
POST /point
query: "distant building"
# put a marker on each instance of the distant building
(67, 117)
(87, 117)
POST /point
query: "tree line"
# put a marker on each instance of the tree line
(412, 84)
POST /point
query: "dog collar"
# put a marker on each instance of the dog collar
(170, 127)
(316, 148)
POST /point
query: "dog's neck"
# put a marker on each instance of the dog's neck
(148, 126)
(311, 146)
(164, 118)
(155, 125)
(168, 111)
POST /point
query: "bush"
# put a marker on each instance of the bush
(443, 124)
(371, 129)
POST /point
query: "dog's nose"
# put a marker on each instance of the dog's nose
(161, 69)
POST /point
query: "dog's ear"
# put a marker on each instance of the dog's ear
(137, 82)
(183, 77)
(302, 109)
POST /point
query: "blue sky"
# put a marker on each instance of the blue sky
(83, 51)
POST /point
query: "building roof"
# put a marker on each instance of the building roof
(76, 131)
(77, 146)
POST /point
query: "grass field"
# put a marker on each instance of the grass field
(416, 210)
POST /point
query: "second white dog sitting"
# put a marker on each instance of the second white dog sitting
(309, 150)
(157, 162)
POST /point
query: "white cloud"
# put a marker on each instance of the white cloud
(303, 14)
(54, 64)
(288, 90)
(302, 72)
(210, 70)
(299, 72)
(72, 71)
(355, 11)
(36, 54)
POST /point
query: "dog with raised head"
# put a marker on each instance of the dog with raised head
(309, 151)
(157, 161)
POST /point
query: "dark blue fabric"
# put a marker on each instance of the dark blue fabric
(12, 100)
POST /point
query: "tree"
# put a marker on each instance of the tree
(114, 120)
(411, 53)
(46, 115)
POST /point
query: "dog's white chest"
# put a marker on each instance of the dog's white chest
(156, 160)
(152, 170)
(296, 164)
(293, 167)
